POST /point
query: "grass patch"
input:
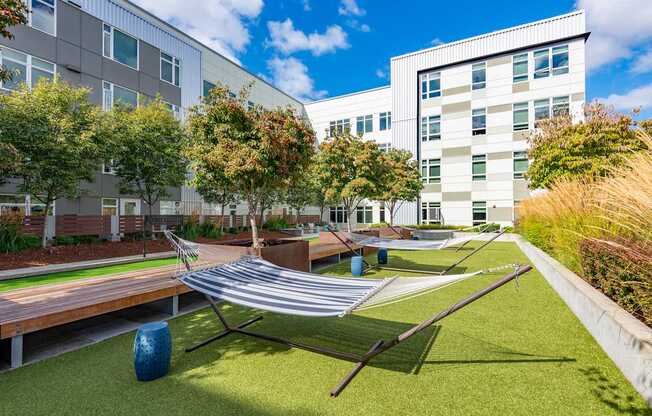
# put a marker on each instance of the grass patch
(514, 352)
(47, 279)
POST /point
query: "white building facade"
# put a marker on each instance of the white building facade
(465, 110)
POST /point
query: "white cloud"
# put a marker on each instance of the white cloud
(638, 97)
(306, 5)
(618, 28)
(355, 24)
(291, 76)
(381, 73)
(643, 63)
(350, 8)
(220, 24)
(436, 42)
(287, 39)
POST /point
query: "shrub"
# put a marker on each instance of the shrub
(275, 224)
(11, 237)
(209, 230)
(189, 230)
(379, 225)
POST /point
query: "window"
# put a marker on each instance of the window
(25, 68)
(479, 121)
(175, 110)
(13, 205)
(232, 94)
(384, 147)
(364, 215)
(364, 124)
(430, 128)
(479, 212)
(430, 85)
(338, 215)
(108, 168)
(560, 60)
(521, 116)
(386, 121)
(114, 94)
(520, 68)
(170, 69)
(339, 127)
(560, 106)
(521, 164)
(43, 15)
(120, 47)
(431, 212)
(479, 76)
(170, 208)
(541, 63)
(479, 167)
(208, 86)
(382, 214)
(109, 206)
(431, 171)
(250, 105)
(541, 110)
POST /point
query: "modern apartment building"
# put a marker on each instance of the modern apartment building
(464, 109)
(122, 53)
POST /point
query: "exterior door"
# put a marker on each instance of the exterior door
(129, 206)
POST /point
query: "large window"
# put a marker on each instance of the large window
(170, 69)
(175, 110)
(479, 167)
(386, 121)
(114, 94)
(109, 206)
(170, 208)
(364, 124)
(520, 67)
(541, 110)
(384, 147)
(208, 86)
(430, 128)
(430, 212)
(430, 85)
(120, 47)
(551, 61)
(521, 116)
(560, 106)
(431, 171)
(479, 212)
(43, 15)
(479, 121)
(26, 69)
(541, 63)
(479, 76)
(520, 164)
(560, 60)
(339, 126)
(337, 215)
(364, 215)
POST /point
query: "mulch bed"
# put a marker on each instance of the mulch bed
(103, 250)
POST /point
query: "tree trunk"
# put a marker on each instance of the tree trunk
(222, 219)
(298, 216)
(254, 229)
(44, 240)
(348, 219)
(321, 212)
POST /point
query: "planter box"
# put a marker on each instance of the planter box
(327, 237)
(625, 339)
(291, 254)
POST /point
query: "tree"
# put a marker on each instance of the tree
(9, 159)
(215, 188)
(259, 151)
(401, 182)
(57, 134)
(300, 194)
(350, 169)
(12, 13)
(147, 151)
(561, 149)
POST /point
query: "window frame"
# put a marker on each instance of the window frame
(175, 109)
(205, 92)
(480, 66)
(30, 18)
(522, 57)
(112, 91)
(426, 121)
(176, 68)
(111, 54)
(385, 117)
(477, 208)
(29, 66)
(339, 126)
(520, 126)
(477, 160)
(384, 147)
(426, 165)
(554, 105)
(520, 156)
(426, 210)
(561, 49)
(116, 206)
(337, 212)
(367, 214)
(538, 104)
(426, 93)
(544, 72)
(364, 121)
(479, 131)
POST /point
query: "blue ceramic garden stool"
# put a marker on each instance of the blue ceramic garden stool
(382, 256)
(356, 266)
(152, 351)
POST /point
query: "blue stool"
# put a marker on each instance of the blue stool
(414, 237)
(356, 266)
(152, 351)
(382, 256)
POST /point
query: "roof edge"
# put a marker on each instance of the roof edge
(348, 94)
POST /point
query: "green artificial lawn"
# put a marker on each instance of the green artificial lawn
(46, 279)
(514, 352)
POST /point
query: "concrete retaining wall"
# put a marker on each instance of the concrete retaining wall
(626, 340)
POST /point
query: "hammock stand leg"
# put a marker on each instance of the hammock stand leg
(382, 346)
(355, 253)
(486, 243)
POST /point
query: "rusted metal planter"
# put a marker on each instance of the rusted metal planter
(291, 254)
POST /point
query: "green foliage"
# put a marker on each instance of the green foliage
(147, 150)
(12, 13)
(57, 135)
(437, 227)
(590, 149)
(379, 225)
(12, 239)
(275, 224)
(401, 181)
(351, 170)
(301, 193)
(209, 229)
(258, 151)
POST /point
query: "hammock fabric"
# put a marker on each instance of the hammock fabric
(393, 244)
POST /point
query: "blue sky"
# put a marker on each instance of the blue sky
(315, 49)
